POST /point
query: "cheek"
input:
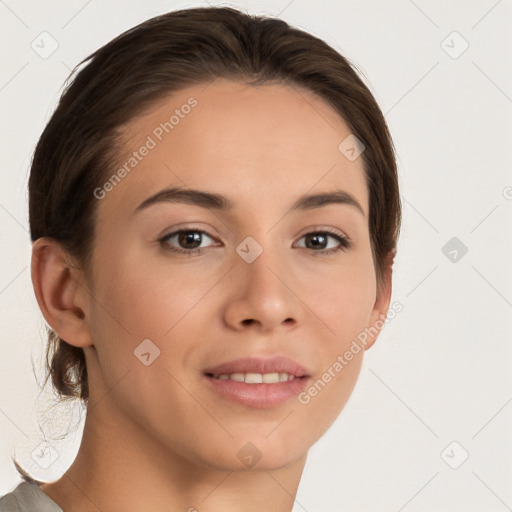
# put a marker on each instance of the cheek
(343, 298)
(146, 297)
(136, 302)
(345, 307)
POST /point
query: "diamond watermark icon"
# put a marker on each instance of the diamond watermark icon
(454, 45)
(249, 455)
(44, 455)
(44, 45)
(351, 147)
(146, 352)
(249, 249)
(454, 249)
(455, 455)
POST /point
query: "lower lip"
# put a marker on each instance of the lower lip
(259, 396)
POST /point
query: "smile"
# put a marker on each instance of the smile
(257, 382)
(256, 378)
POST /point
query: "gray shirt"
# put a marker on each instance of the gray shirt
(27, 497)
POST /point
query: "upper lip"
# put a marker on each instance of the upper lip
(279, 364)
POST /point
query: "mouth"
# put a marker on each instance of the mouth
(255, 378)
(257, 382)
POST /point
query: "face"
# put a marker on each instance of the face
(183, 285)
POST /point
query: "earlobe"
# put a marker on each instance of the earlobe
(60, 296)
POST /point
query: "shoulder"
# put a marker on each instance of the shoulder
(28, 497)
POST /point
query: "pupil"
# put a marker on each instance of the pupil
(314, 239)
(192, 237)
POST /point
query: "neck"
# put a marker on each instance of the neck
(120, 466)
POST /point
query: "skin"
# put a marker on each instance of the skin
(156, 434)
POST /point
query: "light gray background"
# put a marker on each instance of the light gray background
(441, 370)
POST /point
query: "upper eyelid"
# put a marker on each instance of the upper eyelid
(315, 228)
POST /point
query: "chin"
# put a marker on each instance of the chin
(254, 453)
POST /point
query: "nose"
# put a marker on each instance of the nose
(262, 296)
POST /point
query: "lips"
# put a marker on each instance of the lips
(253, 382)
(259, 365)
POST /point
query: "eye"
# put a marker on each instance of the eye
(188, 240)
(318, 241)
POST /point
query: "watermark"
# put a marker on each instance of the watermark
(167, 126)
(342, 360)
(249, 249)
(351, 147)
(44, 454)
(249, 455)
(455, 455)
(454, 249)
(454, 44)
(45, 45)
(146, 352)
(151, 142)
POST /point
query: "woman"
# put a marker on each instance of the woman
(214, 211)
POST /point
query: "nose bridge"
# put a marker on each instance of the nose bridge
(260, 294)
(260, 264)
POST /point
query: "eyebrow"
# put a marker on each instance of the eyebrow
(219, 202)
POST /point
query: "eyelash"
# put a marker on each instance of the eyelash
(344, 242)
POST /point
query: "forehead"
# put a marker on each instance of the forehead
(252, 144)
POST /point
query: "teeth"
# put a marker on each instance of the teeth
(256, 378)
(271, 378)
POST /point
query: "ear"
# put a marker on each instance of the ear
(381, 307)
(63, 300)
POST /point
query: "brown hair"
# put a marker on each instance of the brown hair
(78, 148)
